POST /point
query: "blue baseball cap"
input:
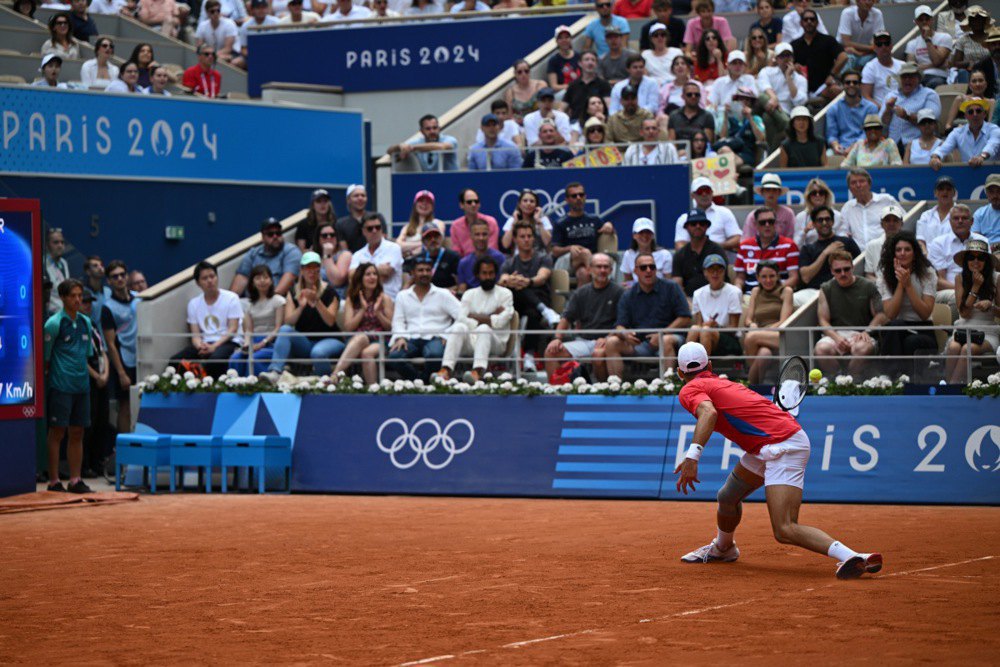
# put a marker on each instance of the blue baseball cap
(697, 215)
(489, 118)
(713, 260)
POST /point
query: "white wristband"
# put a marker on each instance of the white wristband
(694, 451)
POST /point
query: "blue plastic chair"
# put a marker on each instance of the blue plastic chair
(194, 451)
(257, 453)
(150, 451)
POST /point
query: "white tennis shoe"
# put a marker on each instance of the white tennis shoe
(855, 566)
(712, 554)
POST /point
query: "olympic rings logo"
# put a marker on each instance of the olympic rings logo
(400, 438)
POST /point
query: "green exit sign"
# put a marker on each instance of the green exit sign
(175, 233)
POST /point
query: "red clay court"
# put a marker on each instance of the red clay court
(370, 580)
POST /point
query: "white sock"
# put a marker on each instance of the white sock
(838, 551)
(724, 540)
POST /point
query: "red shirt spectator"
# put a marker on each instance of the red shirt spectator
(780, 249)
(641, 9)
(202, 78)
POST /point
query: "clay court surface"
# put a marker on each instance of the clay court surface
(393, 580)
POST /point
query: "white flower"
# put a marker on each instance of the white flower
(208, 380)
(152, 379)
(398, 385)
(175, 380)
(669, 373)
(614, 387)
(232, 373)
(479, 385)
(904, 378)
(488, 376)
(357, 378)
(821, 391)
(538, 386)
(386, 383)
(824, 381)
(170, 370)
(976, 384)
(579, 381)
(504, 377)
(191, 383)
(670, 386)
(419, 384)
(656, 384)
(358, 386)
(593, 389)
(614, 379)
(566, 388)
(462, 387)
(521, 382)
(428, 389)
(723, 376)
(331, 388)
(993, 379)
(844, 380)
(549, 390)
(506, 386)
(640, 384)
(373, 389)
(626, 386)
(582, 389)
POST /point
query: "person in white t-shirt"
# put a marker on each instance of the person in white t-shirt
(644, 240)
(881, 76)
(218, 32)
(791, 23)
(724, 228)
(510, 131)
(717, 304)
(930, 50)
(259, 17)
(856, 31)
(215, 320)
(384, 254)
(106, 6)
(346, 10)
(229, 9)
(546, 110)
(297, 15)
(936, 220)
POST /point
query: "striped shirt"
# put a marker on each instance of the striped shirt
(781, 249)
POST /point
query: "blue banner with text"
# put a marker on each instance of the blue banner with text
(896, 449)
(94, 134)
(618, 194)
(398, 56)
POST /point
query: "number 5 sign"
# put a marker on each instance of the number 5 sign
(720, 170)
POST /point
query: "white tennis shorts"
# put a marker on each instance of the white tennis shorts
(781, 463)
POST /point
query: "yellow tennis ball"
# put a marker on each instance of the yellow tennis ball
(815, 375)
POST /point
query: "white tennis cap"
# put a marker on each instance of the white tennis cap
(692, 357)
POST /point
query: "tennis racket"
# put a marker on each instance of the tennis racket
(793, 383)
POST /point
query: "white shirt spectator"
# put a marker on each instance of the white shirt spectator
(917, 48)
(873, 253)
(88, 74)
(230, 9)
(213, 321)
(648, 94)
(865, 222)
(885, 79)
(791, 26)
(930, 225)
(511, 129)
(724, 88)
(216, 37)
(387, 252)
(509, 225)
(477, 300)
(658, 67)
(307, 17)
(664, 264)
(941, 252)
(279, 8)
(772, 78)
(802, 237)
(425, 319)
(925, 285)
(717, 305)
(119, 86)
(460, 6)
(105, 6)
(665, 153)
(431, 8)
(357, 12)
(268, 20)
(852, 26)
(533, 121)
(723, 225)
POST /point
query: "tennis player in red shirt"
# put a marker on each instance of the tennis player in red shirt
(776, 452)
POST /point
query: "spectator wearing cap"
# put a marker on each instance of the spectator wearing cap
(766, 244)
(274, 252)
(259, 17)
(563, 67)
(444, 262)
(50, 68)
(986, 220)
(349, 226)
(901, 106)
(845, 117)
(822, 55)
(744, 129)
(593, 307)
(587, 86)
(625, 126)
(550, 152)
(510, 129)
(296, 15)
(689, 261)
(546, 111)
(215, 320)
(611, 65)
(346, 10)
(434, 151)
(650, 150)
(574, 238)
(691, 118)
(714, 305)
(480, 235)
(952, 16)
(880, 76)
(219, 32)
(644, 241)
(493, 152)
(484, 327)
(858, 25)
(595, 33)
(919, 150)
(814, 258)
(461, 241)
(650, 304)
(660, 57)
(410, 239)
(771, 190)
(791, 22)
(942, 249)
(320, 212)
(311, 308)
(930, 50)
(875, 150)
(936, 220)
(891, 224)
(802, 148)
(977, 141)
(706, 20)
(782, 88)
(202, 78)
(849, 307)
(989, 63)
(724, 228)
(663, 12)
(383, 253)
(863, 211)
(720, 96)
(976, 291)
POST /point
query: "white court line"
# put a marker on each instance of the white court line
(689, 612)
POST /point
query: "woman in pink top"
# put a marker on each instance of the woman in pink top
(706, 19)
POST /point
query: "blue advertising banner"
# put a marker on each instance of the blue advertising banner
(864, 449)
(92, 134)
(904, 183)
(618, 194)
(399, 56)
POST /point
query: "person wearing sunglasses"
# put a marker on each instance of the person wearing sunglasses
(976, 142)
(880, 76)
(61, 41)
(822, 55)
(218, 32)
(279, 256)
(766, 245)
(120, 327)
(594, 34)
(791, 22)
(845, 117)
(460, 229)
(99, 71)
(383, 253)
(847, 310)
(976, 292)
(202, 78)
(814, 258)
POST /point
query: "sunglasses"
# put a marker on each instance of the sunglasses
(521, 71)
(471, 201)
(61, 23)
(753, 37)
(974, 111)
(692, 94)
(645, 267)
(808, 19)
(883, 42)
(853, 82)
(116, 276)
(698, 223)
(843, 269)
(595, 129)
(975, 257)
(328, 235)
(823, 220)
(271, 233)
(603, 5)
(108, 45)
(764, 223)
(377, 228)
(576, 195)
